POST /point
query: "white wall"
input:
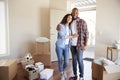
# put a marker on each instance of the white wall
(58, 4)
(28, 19)
(108, 25)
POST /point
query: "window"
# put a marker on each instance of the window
(90, 18)
(3, 28)
(81, 4)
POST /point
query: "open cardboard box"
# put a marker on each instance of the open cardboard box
(100, 72)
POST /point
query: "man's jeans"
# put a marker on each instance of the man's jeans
(77, 56)
(62, 53)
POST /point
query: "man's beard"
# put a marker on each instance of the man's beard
(74, 18)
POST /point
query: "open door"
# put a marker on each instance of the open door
(55, 18)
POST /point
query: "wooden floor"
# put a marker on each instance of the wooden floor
(56, 75)
(23, 75)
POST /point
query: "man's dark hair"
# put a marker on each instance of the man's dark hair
(74, 9)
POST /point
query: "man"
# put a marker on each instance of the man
(79, 44)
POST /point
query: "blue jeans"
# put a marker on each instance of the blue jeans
(77, 56)
(62, 53)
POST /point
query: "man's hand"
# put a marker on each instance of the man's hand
(84, 48)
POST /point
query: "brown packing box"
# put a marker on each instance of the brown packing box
(24, 63)
(42, 47)
(8, 69)
(99, 73)
(44, 58)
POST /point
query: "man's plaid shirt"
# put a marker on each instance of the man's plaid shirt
(82, 32)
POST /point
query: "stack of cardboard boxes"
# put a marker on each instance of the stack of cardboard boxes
(42, 53)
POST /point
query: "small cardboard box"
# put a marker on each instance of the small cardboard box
(8, 69)
(24, 63)
(105, 73)
(34, 74)
(46, 74)
(42, 47)
(40, 66)
(44, 58)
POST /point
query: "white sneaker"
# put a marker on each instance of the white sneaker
(81, 78)
(62, 77)
(65, 74)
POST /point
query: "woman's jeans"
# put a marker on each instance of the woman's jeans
(62, 53)
(77, 56)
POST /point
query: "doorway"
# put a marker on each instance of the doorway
(90, 18)
(55, 18)
(87, 12)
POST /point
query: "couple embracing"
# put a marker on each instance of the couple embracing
(73, 34)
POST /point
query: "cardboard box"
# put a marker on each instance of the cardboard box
(105, 73)
(8, 69)
(40, 66)
(24, 63)
(34, 74)
(46, 74)
(44, 58)
(42, 47)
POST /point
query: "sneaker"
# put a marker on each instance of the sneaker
(73, 78)
(62, 77)
(65, 74)
(81, 78)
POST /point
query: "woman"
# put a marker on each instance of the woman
(62, 44)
